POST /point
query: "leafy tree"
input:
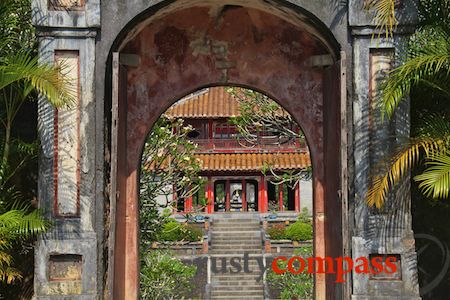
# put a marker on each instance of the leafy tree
(164, 277)
(168, 167)
(260, 114)
(426, 67)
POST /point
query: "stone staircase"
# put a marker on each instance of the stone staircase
(236, 236)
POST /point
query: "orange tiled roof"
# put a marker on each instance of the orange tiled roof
(211, 103)
(253, 161)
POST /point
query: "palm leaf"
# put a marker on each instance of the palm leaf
(9, 274)
(397, 168)
(435, 180)
(427, 62)
(45, 79)
(385, 19)
(19, 222)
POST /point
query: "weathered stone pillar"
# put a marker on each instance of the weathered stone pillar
(67, 255)
(387, 231)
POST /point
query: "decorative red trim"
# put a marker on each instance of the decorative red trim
(55, 163)
(244, 195)
(297, 197)
(210, 196)
(262, 200)
(280, 197)
(56, 213)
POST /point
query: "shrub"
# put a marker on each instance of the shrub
(174, 231)
(277, 232)
(164, 277)
(192, 233)
(171, 232)
(299, 231)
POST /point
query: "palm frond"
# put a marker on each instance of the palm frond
(401, 79)
(427, 62)
(9, 274)
(385, 19)
(435, 180)
(19, 222)
(44, 78)
(397, 168)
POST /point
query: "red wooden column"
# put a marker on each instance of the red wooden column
(280, 197)
(244, 195)
(210, 196)
(262, 200)
(260, 194)
(297, 197)
(188, 204)
(227, 197)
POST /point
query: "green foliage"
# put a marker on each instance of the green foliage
(192, 233)
(293, 286)
(174, 231)
(164, 277)
(425, 68)
(299, 231)
(260, 114)
(168, 165)
(277, 232)
(384, 18)
(435, 180)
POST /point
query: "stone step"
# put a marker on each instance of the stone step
(237, 246)
(236, 283)
(248, 288)
(236, 224)
(254, 286)
(255, 233)
(236, 218)
(255, 241)
(224, 280)
(236, 240)
(235, 228)
(233, 251)
(247, 277)
(252, 265)
(243, 294)
(237, 298)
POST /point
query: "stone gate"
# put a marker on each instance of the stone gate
(132, 59)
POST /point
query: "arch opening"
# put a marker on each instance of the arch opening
(230, 168)
(180, 52)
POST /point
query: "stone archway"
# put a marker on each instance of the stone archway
(175, 52)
